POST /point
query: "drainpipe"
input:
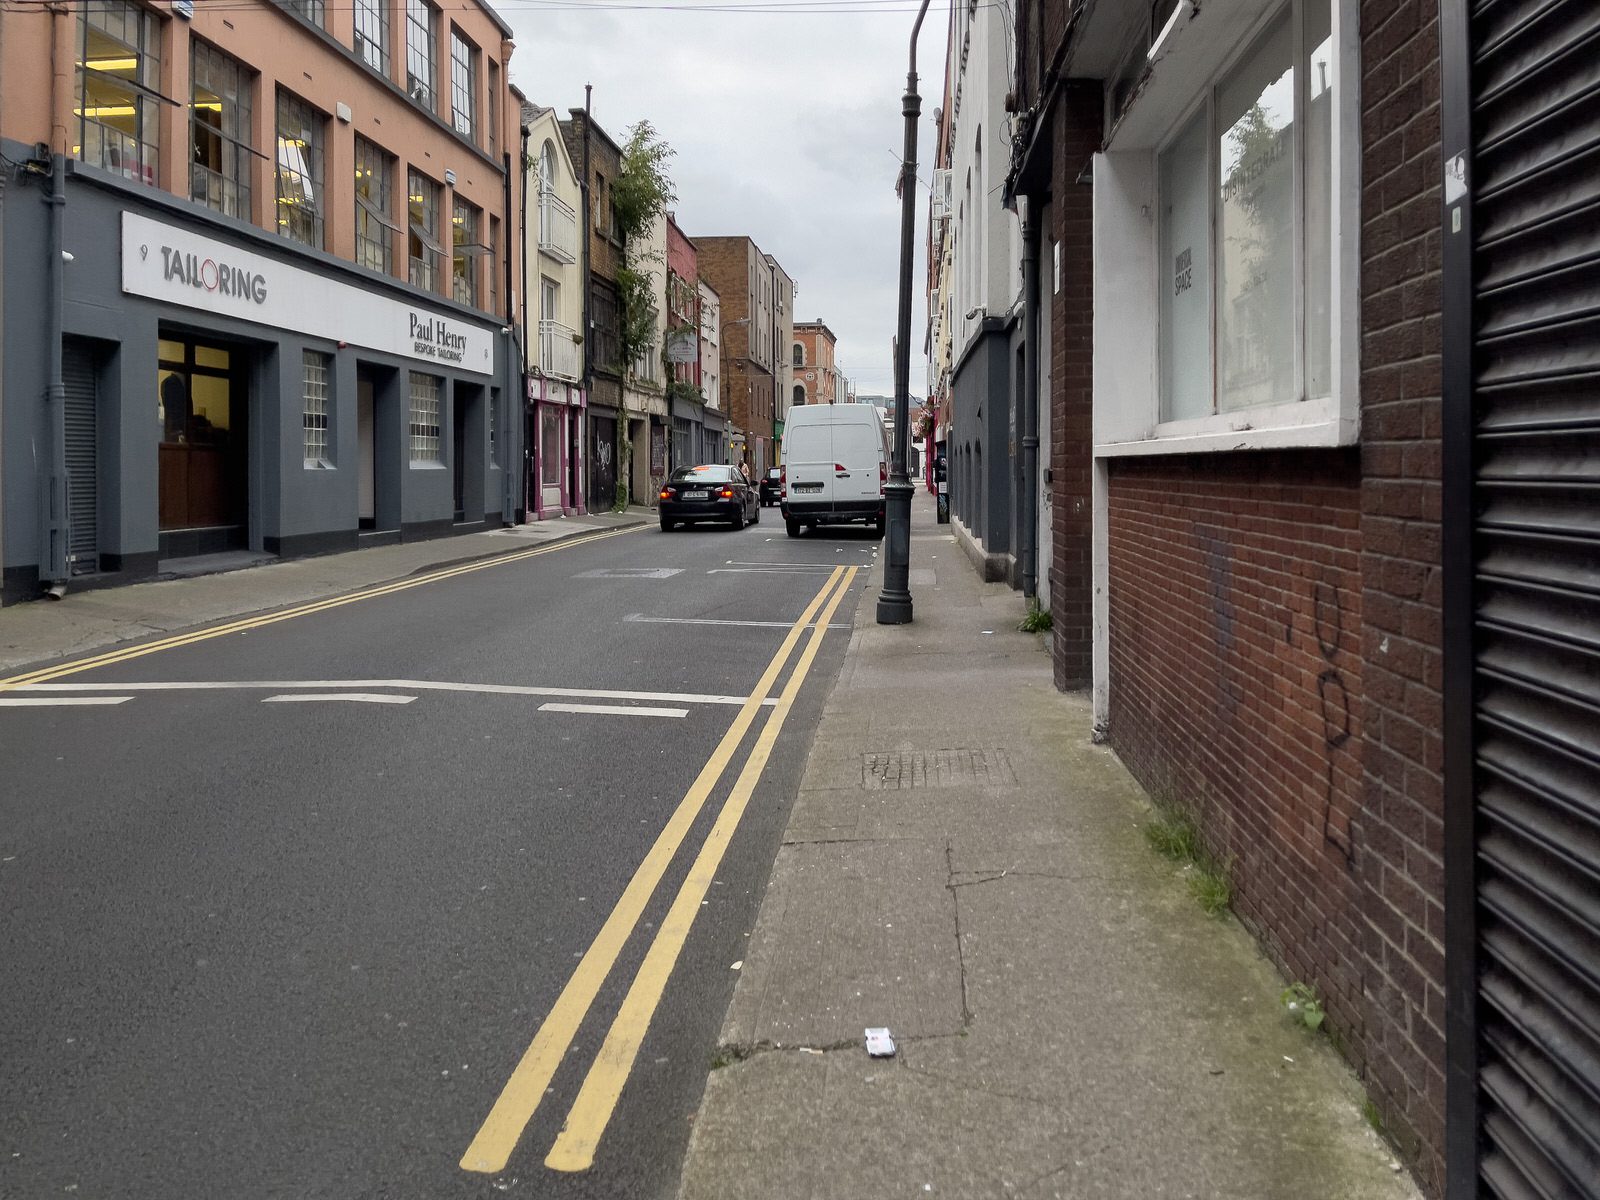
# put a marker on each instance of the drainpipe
(522, 320)
(1030, 400)
(510, 489)
(53, 479)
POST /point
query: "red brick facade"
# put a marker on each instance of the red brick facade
(1400, 845)
(1236, 674)
(1274, 617)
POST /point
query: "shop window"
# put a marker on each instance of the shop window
(466, 253)
(1255, 287)
(316, 414)
(422, 38)
(372, 33)
(464, 85)
(425, 443)
(300, 173)
(492, 418)
(118, 72)
(1235, 239)
(219, 124)
(375, 228)
(423, 198)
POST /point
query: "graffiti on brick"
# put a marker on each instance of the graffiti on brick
(1334, 698)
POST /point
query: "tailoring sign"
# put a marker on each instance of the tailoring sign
(178, 266)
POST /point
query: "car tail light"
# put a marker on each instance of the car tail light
(783, 480)
(883, 476)
(666, 493)
(727, 493)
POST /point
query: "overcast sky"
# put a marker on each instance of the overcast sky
(787, 127)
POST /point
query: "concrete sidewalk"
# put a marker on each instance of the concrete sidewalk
(88, 619)
(963, 866)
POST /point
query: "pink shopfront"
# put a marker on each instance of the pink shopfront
(556, 411)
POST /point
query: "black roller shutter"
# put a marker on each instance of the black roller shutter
(1535, 215)
(83, 469)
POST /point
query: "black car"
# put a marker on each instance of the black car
(708, 494)
(772, 486)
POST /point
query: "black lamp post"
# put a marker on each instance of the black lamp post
(894, 601)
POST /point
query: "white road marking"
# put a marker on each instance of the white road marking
(640, 617)
(407, 685)
(353, 697)
(59, 701)
(618, 710)
(737, 562)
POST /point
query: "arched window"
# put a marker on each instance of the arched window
(799, 355)
(799, 392)
(547, 169)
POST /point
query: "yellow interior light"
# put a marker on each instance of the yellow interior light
(106, 110)
(112, 64)
(209, 105)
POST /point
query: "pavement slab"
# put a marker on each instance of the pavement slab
(964, 865)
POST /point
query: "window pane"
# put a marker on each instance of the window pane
(425, 446)
(374, 238)
(372, 33)
(315, 412)
(1185, 275)
(220, 127)
(423, 231)
(422, 30)
(1320, 110)
(463, 85)
(1256, 226)
(299, 170)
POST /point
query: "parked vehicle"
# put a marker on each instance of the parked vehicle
(772, 486)
(836, 466)
(709, 493)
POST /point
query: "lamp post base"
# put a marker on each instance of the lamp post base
(894, 600)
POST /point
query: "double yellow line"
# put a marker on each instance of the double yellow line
(574, 1149)
(45, 674)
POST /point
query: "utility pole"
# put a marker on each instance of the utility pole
(894, 600)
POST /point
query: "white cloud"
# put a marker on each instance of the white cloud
(787, 128)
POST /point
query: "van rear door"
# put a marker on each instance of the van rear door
(808, 459)
(857, 453)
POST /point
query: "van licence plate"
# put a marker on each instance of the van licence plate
(808, 487)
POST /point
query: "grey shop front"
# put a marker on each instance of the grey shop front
(229, 390)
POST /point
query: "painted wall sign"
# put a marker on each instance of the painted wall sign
(166, 262)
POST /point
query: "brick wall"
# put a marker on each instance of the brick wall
(1236, 678)
(1069, 221)
(724, 263)
(1401, 833)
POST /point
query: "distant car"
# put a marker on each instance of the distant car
(708, 493)
(772, 486)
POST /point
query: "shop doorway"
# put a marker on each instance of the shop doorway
(202, 406)
(379, 455)
(550, 464)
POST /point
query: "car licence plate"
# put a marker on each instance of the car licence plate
(700, 495)
(808, 487)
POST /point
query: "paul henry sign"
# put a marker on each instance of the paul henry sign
(165, 262)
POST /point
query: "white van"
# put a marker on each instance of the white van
(835, 466)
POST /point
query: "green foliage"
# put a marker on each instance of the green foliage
(1300, 1001)
(1038, 619)
(678, 389)
(638, 329)
(1209, 886)
(1173, 835)
(1374, 1118)
(644, 190)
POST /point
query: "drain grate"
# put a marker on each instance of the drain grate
(901, 769)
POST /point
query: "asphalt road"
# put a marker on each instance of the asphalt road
(255, 944)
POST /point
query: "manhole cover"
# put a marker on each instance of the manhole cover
(936, 769)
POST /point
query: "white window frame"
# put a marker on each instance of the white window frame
(1195, 56)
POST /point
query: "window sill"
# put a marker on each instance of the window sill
(427, 466)
(319, 464)
(1216, 436)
